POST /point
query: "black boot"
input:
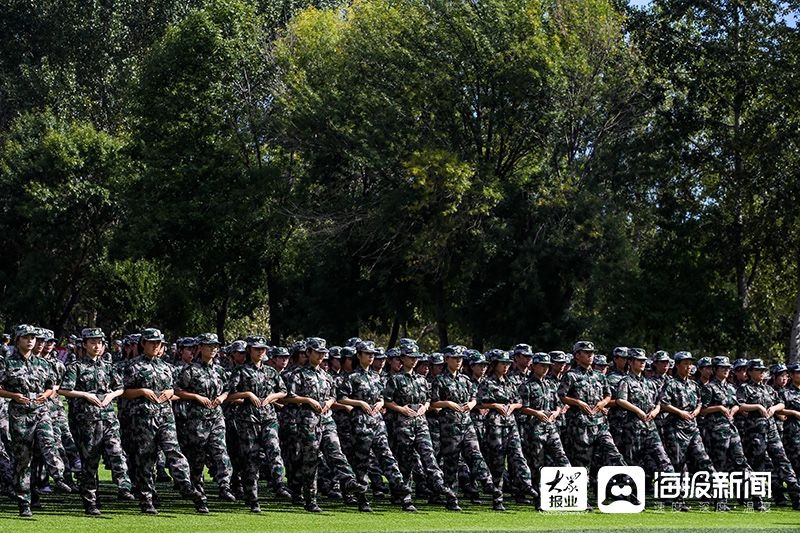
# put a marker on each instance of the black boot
(25, 509)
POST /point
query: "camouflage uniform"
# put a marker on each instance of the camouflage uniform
(204, 430)
(98, 428)
(153, 428)
(721, 438)
(587, 433)
(502, 435)
(257, 426)
(412, 438)
(369, 431)
(458, 436)
(30, 425)
(317, 432)
(642, 444)
(543, 446)
(61, 429)
(762, 440)
(682, 438)
(790, 396)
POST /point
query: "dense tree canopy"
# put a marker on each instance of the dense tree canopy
(482, 172)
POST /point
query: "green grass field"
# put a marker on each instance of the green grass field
(64, 513)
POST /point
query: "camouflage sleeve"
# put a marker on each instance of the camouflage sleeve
(294, 387)
(389, 389)
(2, 371)
(565, 386)
(50, 382)
(234, 380)
(279, 385)
(622, 391)
(484, 392)
(116, 379)
(742, 395)
(524, 393)
(705, 396)
(513, 396)
(606, 387)
(183, 380)
(70, 377)
(436, 390)
(666, 395)
(776, 398)
(345, 388)
(130, 379)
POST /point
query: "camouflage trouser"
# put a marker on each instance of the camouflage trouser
(63, 435)
(412, 444)
(291, 448)
(30, 430)
(458, 439)
(763, 443)
(205, 444)
(238, 463)
(95, 437)
(585, 440)
(685, 448)
(317, 433)
(542, 448)
(259, 444)
(434, 430)
(5, 438)
(6, 471)
(375, 472)
(642, 446)
(791, 442)
(369, 435)
(151, 433)
(724, 446)
(503, 444)
(616, 422)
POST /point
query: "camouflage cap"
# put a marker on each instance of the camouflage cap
(24, 330)
(683, 356)
(522, 349)
(756, 364)
(410, 350)
(437, 358)
(256, 341)
(118, 342)
(6, 336)
(620, 351)
(636, 353)
(740, 363)
(365, 346)
(600, 360)
(347, 352)
(583, 346)
(778, 368)
(237, 346)
(392, 352)
(92, 333)
(454, 350)
(424, 358)
(660, 356)
(151, 335)
(278, 351)
(557, 356)
(380, 353)
(794, 367)
(207, 339)
(299, 346)
(477, 358)
(569, 358)
(720, 360)
(188, 342)
(49, 335)
(541, 358)
(703, 362)
(352, 341)
(317, 344)
(334, 352)
(500, 356)
(405, 341)
(40, 333)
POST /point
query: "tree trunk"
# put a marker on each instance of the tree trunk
(794, 339)
(441, 316)
(274, 298)
(221, 319)
(395, 331)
